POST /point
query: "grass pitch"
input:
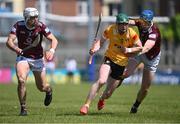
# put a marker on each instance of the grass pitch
(162, 105)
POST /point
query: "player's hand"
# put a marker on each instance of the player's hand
(95, 47)
(91, 51)
(49, 55)
(18, 51)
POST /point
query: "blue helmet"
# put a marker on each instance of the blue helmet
(147, 15)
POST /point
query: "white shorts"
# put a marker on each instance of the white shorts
(34, 64)
(150, 65)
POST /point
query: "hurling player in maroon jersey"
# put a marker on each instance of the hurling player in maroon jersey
(30, 54)
(150, 55)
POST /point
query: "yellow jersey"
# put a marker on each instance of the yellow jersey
(116, 40)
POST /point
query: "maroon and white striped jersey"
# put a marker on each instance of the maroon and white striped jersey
(25, 37)
(152, 34)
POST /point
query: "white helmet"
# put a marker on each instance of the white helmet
(30, 12)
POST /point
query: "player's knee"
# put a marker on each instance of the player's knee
(21, 79)
(101, 81)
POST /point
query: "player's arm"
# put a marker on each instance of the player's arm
(133, 50)
(97, 45)
(10, 43)
(137, 46)
(132, 21)
(149, 43)
(147, 46)
(54, 43)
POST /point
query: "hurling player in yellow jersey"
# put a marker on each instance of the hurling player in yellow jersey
(123, 42)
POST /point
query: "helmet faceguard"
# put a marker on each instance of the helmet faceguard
(122, 21)
(30, 13)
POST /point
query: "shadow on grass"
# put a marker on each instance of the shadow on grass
(90, 114)
(8, 115)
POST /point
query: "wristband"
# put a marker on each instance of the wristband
(129, 50)
(52, 50)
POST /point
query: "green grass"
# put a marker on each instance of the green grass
(162, 105)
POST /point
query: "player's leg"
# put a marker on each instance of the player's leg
(22, 69)
(110, 88)
(103, 75)
(112, 83)
(39, 71)
(43, 86)
(146, 83)
(150, 67)
(129, 70)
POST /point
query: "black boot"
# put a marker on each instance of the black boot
(48, 98)
(23, 111)
(133, 109)
(135, 106)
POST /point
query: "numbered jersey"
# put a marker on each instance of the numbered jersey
(116, 40)
(26, 37)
